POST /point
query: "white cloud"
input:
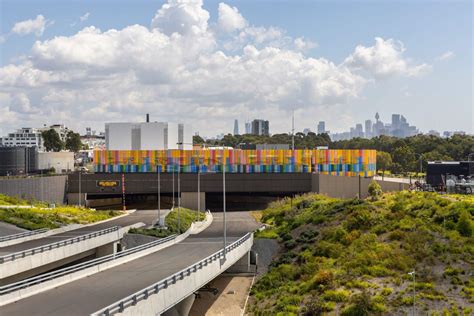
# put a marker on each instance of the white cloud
(181, 69)
(384, 59)
(446, 56)
(36, 26)
(181, 16)
(229, 18)
(85, 17)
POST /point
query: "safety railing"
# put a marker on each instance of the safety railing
(78, 267)
(120, 306)
(23, 234)
(58, 244)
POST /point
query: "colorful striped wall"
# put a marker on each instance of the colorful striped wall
(344, 162)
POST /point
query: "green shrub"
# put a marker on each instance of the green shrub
(375, 190)
(336, 295)
(464, 226)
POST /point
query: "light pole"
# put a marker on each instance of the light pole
(421, 162)
(80, 187)
(159, 193)
(412, 273)
(224, 206)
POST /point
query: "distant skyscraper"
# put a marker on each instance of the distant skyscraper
(321, 127)
(358, 130)
(368, 129)
(248, 128)
(306, 131)
(260, 127)
(236, 127)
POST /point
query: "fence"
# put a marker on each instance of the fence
(58, 244)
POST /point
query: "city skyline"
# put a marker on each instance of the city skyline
(52, 68)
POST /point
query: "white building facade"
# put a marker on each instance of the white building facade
(148, 136)
(24, 137)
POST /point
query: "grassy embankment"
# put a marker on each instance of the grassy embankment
(187, 216)
(42, 217)
(352, 257)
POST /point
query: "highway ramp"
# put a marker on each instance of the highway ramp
(147, 217)
(87, 295)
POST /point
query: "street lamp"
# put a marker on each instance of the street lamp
(412, 273)
(421, 162)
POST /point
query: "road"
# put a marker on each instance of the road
(8, 229)
(147, 217)
(87, 295)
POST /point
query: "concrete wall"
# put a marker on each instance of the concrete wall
(61, 161)
(349, 187)
(48, 189)
(190, 200)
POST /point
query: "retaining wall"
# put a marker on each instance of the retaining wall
(51, 189)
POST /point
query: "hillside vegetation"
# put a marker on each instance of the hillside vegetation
(187, 217)
(39, 216)
(352, 257)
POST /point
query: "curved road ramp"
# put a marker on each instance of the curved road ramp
(17, 265)
(163, 295)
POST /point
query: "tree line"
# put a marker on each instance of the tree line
(52, 141)
(398, 155)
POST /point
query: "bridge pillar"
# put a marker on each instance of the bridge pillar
(190, 200)
(182, 308)
(107, 249)
(74, 198)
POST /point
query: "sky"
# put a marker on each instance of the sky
(206, 63)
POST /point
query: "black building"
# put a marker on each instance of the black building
(437, 171)
(18, 160)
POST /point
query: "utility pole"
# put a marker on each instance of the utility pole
(224, 206)
(159, 195)
(293, 130)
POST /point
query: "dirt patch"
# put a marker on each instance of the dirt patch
(229, 301)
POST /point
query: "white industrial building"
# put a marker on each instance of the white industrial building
(62, 161)
(148, 136)
(31, 137)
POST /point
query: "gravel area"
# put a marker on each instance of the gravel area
(266, 250)
(133, 240)
(9, 229)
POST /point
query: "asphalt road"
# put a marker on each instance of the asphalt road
(87, 295)
(147, 217)
(8, 229)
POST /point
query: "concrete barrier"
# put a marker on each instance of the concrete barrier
(16, 263)
(57, 231)
(166, 293)
(80, 273)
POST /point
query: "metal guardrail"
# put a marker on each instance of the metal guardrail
(23, 234)
(133, 299)
(80, 266)
(58, 244)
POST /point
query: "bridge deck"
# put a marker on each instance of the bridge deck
(146, 217)
(90, 294)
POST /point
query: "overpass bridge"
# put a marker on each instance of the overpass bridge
(241, 188)
(173, 273)
(45, 252)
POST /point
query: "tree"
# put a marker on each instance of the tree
(51, 140)
(198, 139)
(464, 226)
(384, 161)
(374, 190)
(404, 156)
(73, 141)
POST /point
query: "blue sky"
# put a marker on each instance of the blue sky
(439, 98)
